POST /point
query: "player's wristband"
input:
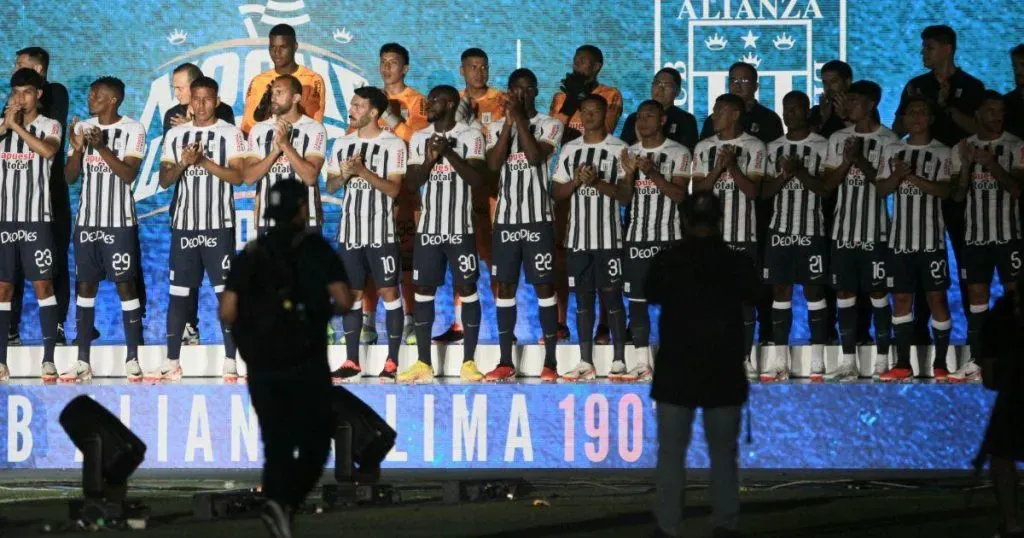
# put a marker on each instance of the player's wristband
(391, 119)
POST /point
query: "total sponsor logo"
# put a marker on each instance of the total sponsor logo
(910, 190)
(985, 183)
(643, 253)
(790, 241)
(793, 185)
(588, 191)
(199, 241)
(95, 236)
(440, 239)
(281, 167)
(515, 236)
(724, 185)
(16, 165)
(16, 236)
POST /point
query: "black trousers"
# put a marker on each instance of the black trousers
(296, 423)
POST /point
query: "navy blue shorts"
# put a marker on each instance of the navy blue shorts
(105, 253)
(28, 246)
(595, 268)
(196, 252)
(382, 262)
(523, 246)
(433, 252)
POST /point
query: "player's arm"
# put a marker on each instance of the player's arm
(125, 170)
(675, 186)
(390, 186)
(422, 158)
(321, 104)
(962, 165)
(308, 167)
(73, 164)
(232, 173)
(537, 152)
(566, 180)
(171, 167)
(1010, 181)
(838, 164)
(44, 147)
(773, 182)
(749, 180)
(938, 189)
(497, 154)
(700, 175)
(621, 190)
(472, 169)
(891, 172)
(255, 167)
(614, 112)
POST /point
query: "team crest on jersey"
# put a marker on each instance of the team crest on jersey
(786, 40)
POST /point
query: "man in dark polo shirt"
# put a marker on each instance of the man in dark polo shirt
(1014, 99)
(829, 115)
(764, 124)
(954, 95)
(680, 126)
(53, 105)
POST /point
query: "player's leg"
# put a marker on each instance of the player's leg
(846, 281)
(216, 260)
(9, 269)
(405, 227)
(538, 261)
(878, 285)
(131, 320)
(581, 267)
(636, 264)
(386, 268)
(85, 317)
(560, 212)
(38, 264)
(428, 274)
(356, 262)
(903, 327)
(60, 227)
(935, 279)
(463, 261)
(976, 271)
(186, 274)
(506, 263)
(781, 260)
(608, 277)
(814, 277)
(368, 327)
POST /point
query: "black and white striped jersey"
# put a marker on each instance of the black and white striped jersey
(309, 138)
(447, 198)
(860, 215)
(653, 216)
(202, 201)
(107, 201)
(992, 215)
(797, 209)
(594, 218)
(524, 191)
(367, 215)
(739, 222)
(25, 175)
(917, 223)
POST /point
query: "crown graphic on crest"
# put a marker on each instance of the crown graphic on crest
(715, 42)
(177, 37)
(783, 41)
(342, 35)
(752, 59)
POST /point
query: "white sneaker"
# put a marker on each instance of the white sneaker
(968, 373)
(80, 372)
(5, 373)
(133, 371)
(640, 372)
(881, 365)
(49, 374)
(168, 371)
(229, 371)
(845, 373)
(617, 371)
(778, 365)
(582, 372)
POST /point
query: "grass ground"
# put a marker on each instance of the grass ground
(578, 507)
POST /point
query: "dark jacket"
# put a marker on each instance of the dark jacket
(701, 285)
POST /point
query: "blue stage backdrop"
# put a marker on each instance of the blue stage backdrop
(564, 426)
(789, 40)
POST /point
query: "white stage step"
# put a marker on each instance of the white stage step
(205, 361)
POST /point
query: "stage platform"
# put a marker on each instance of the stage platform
(200, 423)
(205, 361)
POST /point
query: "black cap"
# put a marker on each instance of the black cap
(284, 200)
(702, 208)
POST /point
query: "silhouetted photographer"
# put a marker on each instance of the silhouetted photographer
(702, 286)
(282, 290)
(1002, 370)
